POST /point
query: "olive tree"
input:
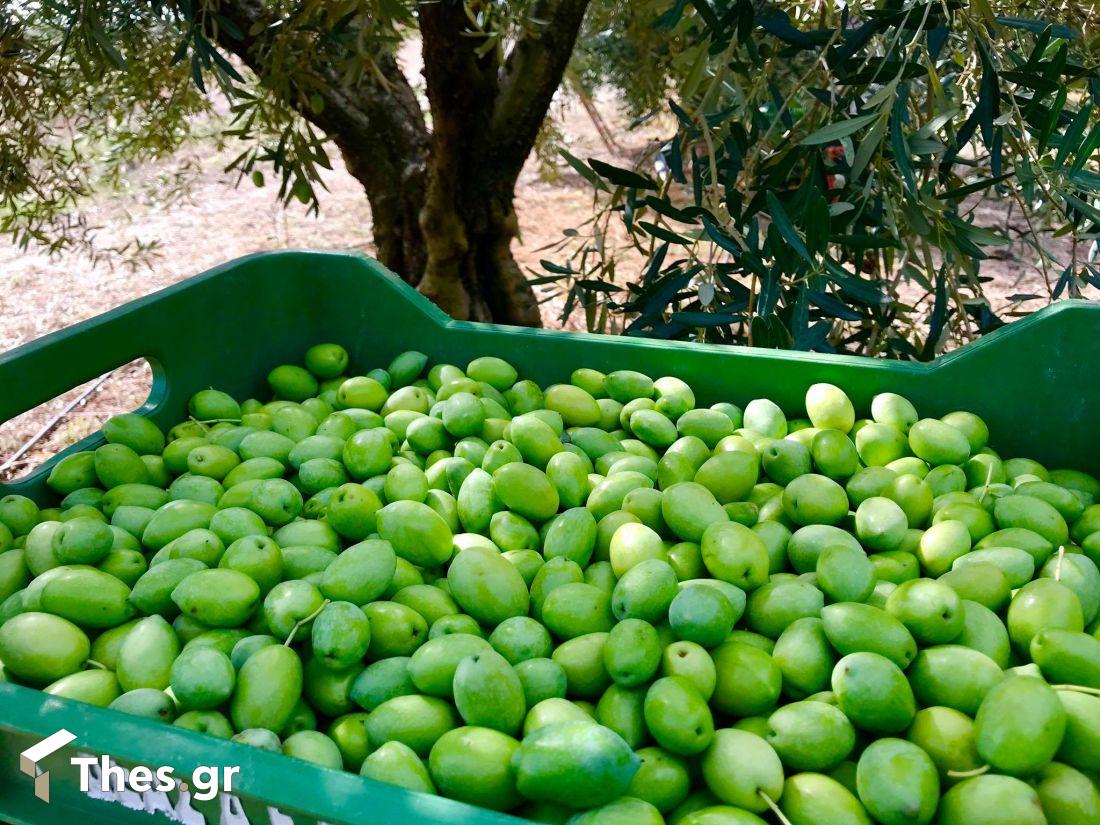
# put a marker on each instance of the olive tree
(88, 87)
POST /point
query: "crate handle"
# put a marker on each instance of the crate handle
(157, 391)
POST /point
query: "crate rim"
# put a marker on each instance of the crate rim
(438, 317)
(286, 785)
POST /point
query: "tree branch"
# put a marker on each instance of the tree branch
(377, 123)
(532, 74)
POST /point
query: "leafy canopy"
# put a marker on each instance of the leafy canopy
(820, 189)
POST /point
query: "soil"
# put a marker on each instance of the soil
(220, 221)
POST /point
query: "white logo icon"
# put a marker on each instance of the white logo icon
(29, 759)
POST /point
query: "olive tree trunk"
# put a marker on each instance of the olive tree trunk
(442, 199)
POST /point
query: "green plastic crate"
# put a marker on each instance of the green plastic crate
(1037, 384)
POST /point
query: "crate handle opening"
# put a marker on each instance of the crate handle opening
(72, 419)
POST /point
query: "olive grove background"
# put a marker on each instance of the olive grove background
(888, 178)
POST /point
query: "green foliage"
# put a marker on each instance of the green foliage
(89, 89)
(622, 48)
(70, 128)
(819, 191)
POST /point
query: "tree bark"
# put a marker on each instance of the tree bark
(468, 219)
(442, 203)
(485, 118)
(471, 272)
(384, 143)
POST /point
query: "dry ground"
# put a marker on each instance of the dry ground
(39, 294)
